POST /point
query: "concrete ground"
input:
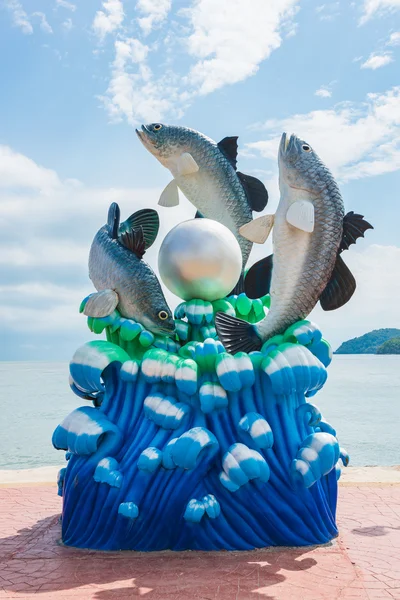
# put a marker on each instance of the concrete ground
(363, 563)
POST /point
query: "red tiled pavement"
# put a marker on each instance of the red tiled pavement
(363, 563)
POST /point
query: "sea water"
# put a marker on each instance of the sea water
(361, 399)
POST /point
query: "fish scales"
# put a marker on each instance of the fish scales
(309, 279)
(214, 189)
(118, 272)
(310, 230)
(113, 267)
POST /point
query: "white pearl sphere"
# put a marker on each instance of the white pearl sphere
(201, 259)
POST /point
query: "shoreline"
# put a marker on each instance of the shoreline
(350, 476)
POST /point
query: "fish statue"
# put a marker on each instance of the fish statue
(206, 174)
(121, 276)
(310, 231)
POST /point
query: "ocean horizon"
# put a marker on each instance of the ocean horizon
(360, 400)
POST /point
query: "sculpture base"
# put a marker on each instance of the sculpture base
(196, 449)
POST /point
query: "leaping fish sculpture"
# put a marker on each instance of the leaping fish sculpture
(121, 276)
(310, 231)
(206, 173)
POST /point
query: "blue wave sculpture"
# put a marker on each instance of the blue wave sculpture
(189, 447)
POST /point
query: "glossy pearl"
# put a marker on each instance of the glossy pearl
(201, 259)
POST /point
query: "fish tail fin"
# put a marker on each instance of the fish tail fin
(237, 335)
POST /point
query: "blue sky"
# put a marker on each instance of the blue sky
(78, 77)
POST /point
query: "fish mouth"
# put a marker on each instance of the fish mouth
(168, 330)
(146, 136)
(287, 142)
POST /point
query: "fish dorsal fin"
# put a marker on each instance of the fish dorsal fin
(148, 220)
(170, 195)
(300, 214)
(113, 220)
(354, 227)
(101, 304)
(134, 240)
(187, 165)
(257, 281)
(229, 147)
(258, 230)
(340, 288)
(256, 192)
(198, 215)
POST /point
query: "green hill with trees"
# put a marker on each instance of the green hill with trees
(371, 342)
(390, 347)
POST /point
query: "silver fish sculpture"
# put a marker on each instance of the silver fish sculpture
(121, 276)
(206, 174)
(310, 230)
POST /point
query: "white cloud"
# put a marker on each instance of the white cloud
(43, 260)
(226, 42)
(129, 50)
(62, 317)
(38, 291)
(394, 39)
(19, 16)
(67, 24)
(373, 7)
(328, 12)
(47, 252)
(375, 301)
(18, 171)
(67, 5)
(44, 24)
(154, 11)
(230, 39)
(323, 92)
(354, 139)
(110, 19)
(376, 61)
(133, 91)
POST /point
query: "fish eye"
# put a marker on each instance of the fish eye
(306, 148)
(163, 315)
(157, 127)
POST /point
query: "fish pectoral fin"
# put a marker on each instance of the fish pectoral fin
(134, 241)
(229, 147)
(301, 215)
(354, 227)
(113, 220)
(170, 195)
(101, 304)
(146, 219)
(340, 288)
(186, 164)
(255, 190)
(257, 281)
(237, 335)
(258, 230)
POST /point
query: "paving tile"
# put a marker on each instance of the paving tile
(364, 563)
